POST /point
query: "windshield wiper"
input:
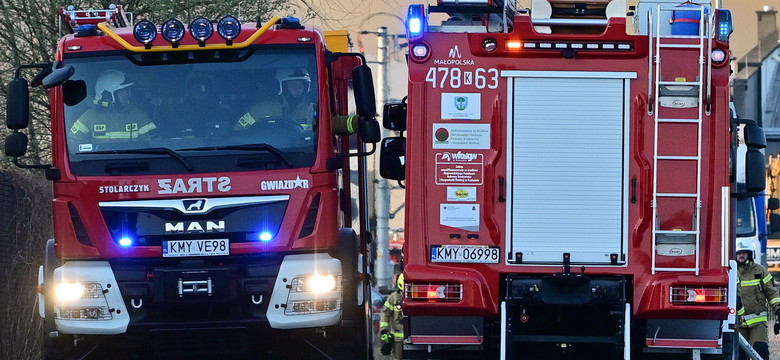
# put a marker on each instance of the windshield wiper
(251, 147)
(153, 151)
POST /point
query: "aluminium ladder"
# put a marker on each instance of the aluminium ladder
(678, 237)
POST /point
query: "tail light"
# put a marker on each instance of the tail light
(433, 292)
(698, 295)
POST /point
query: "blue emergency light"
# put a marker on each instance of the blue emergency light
(201, 29)
(265, 236)
(415, 21)
(173, 31)
(725, 25)
(125, 241)
(145, 32)
(229, 28)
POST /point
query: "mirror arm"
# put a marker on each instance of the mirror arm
(28, 166)
(18, 73)
(333, 56)
(338, 157)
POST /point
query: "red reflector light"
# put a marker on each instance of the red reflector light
(433, 292)
(697, 295)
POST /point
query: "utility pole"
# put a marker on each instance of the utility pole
(383, 270)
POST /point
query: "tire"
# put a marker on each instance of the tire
(730, 346)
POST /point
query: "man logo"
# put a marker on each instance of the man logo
(194, 204)
(455, 52)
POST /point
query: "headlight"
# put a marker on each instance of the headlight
(68, 292)
(73, 291)
(315, 283)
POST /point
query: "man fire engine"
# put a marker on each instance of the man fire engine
(577, 161)
(193, 239)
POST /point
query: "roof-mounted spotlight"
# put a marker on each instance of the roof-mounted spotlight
(145, 32)
(229, 28)
(201, 29)
(173, 31)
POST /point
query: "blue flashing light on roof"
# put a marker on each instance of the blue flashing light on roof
(172, 31)
(725, 25)
(415, 21)
(201, 29)
(145, 32)
(229, 28)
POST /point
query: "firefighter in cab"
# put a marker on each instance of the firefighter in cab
(391, 327)
(756, 290)
(292, 105)
(113, 117)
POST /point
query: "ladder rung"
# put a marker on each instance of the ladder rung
(681, 8)
(688, 121)
(677, 232)
(694, 83)
(680, 195)
(676, 269)
(676, 157)
(683, 46)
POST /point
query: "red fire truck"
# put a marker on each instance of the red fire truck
(569, 176)
(198, 208)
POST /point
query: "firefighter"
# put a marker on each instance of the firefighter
(114, 117)
(391, 328)
(293, 103)
(755, 288)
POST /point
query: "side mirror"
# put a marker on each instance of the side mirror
(16, 144)
(58, 76)
(363, 85)
(394, 116)
(773, 204)
(774, 223)
(392, 158)
(369, 131)
(755, 170)
(17, 112)
(754, 136)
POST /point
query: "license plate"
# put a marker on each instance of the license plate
(211, 247)
(482, 254)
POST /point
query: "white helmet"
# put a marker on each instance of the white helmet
(107, 84)
(746, 245)
(288, 74)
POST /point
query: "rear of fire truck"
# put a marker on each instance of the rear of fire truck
(568, 178)
(187, 222)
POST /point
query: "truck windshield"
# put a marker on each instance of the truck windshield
(746, 217)
(259, 106)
